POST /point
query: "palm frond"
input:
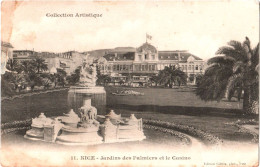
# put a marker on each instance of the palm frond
(233, 81)
(240, 55)
(221, 60)
(238, 66)
(236, 45)
(255, 56)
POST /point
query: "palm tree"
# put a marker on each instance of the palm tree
(12, 65)
(237, 69)
(212, 85)
(245, 74)
(39, 64)
(170, 75)
(154, 79)
(26, 67)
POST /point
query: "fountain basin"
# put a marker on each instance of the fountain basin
(87, 89)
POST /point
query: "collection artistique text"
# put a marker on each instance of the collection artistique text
(73, 15)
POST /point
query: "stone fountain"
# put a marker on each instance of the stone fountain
(84, 131)
(82, 125)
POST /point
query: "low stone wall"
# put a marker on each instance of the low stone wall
(31, 94)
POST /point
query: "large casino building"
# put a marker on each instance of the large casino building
(142, 62)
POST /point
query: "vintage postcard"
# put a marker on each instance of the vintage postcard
(130, 83)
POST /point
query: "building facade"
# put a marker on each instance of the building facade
(6, 54)
(24, 55)
(142, 62)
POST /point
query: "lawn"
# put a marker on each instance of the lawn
(180, 106)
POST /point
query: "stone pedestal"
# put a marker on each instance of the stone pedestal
(77, 96)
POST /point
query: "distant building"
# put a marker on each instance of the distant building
(69, 61)
(6, 54)
(22, 55)
(140, 63)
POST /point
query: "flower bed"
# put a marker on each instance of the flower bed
(16, 124)
(239, 124)
(128, 92)
(184, 139)
(31, 93)
(205, 137)
(5, 131)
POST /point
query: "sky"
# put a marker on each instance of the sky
(200, 27)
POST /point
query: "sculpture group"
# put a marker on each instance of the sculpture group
(86, 128)
(88, 75)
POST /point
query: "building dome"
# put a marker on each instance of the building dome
(147, 47)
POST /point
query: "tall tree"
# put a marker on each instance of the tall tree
(237, 69)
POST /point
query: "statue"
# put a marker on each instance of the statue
(88, 75)
(88, 114)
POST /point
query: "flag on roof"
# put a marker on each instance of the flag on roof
(148, 36)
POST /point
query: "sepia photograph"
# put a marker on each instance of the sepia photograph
(130, 83)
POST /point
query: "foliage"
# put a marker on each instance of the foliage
(74, 77)
(199, 78)
(6, 87)
(170, 75)
(38, 64)
(235, 71)
(61, 77)
(26, 67)
(212, 85)
(154, 79)
(103, 79)
(12, 65)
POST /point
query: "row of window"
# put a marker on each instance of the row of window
(147, 67)
(123, 67)
(65, 56)
(191, 67)
(146, 57)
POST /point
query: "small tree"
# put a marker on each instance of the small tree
(74, 77)
(13, 65)
(170, 75)
(39, 64)
(155, 79)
